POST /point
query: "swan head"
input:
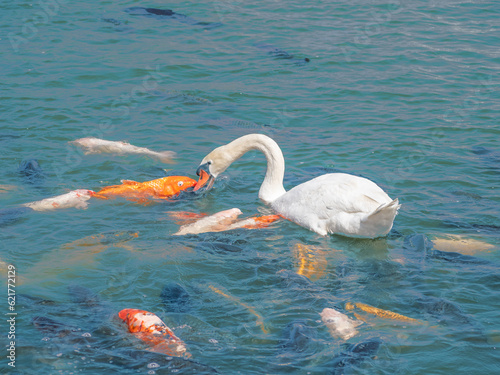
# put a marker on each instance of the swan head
(212, 166)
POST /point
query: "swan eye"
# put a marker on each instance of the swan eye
(180, 183)
(209, 162)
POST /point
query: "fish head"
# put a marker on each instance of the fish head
(212, 166)
(85, 142)
(140, 320)
(232, 213)
(331, 316)
(83, 194)
(180, 183)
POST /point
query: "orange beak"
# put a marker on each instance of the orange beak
(203, 180)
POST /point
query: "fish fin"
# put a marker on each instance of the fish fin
(356, 323)
(129, 182)
(185, 217)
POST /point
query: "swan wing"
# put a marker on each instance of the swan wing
(332, 203)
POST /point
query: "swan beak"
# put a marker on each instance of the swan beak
(205, 177)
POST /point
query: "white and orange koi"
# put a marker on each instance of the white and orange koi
(152, 330)
(76, 198)
(225, 220)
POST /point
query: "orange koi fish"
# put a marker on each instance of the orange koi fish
(385, 314)
(153, 331)
(260, 319)
(311, 261)
(161, 188)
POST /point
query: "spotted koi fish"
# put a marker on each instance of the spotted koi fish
(152, 330)
(161, 188)
(76, 198)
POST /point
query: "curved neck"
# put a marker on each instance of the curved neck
(272, 187)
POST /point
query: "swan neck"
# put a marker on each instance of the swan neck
(272, 186)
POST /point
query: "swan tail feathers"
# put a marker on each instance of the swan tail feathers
(387, 207)
(380, 221)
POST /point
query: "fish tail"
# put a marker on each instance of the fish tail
(266, 220)
(165, 156)
(99, 196)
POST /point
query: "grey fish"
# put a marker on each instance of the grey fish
(5, 137)
(280, 54)
(112, 21)
(355, 355)
(175, 298)
(458, 258)
(451, 315)
(169, 14)
(12, 215)
(163, 364)
(297, 337)
(489, 156)
(50, 326)
(31, 172)
(445, 311)
(295, 346)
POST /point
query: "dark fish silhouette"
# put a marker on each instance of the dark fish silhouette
(141, 360)
(6, 137)
(278, 53)
(84, 297)
(297, 337)
(355, 355)
(50, 326)
(295, 346)
(175, 298)
(478, 228)
(10, 216)
(458, 258)
(451, 315)
(169, 14)
(31, 172)
(26, 299)
(445, 311)
(490, 158)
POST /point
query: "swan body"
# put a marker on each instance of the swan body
(332, 203)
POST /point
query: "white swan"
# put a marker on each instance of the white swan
(332, 203)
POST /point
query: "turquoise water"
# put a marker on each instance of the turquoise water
(403, 93)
